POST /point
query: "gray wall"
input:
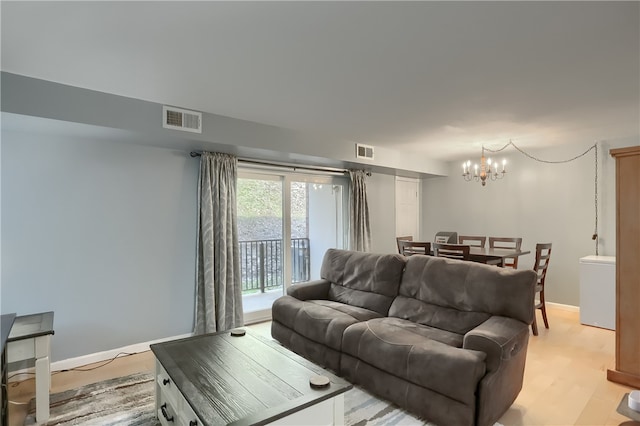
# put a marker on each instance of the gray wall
(219, 133)
(99, 208)
(102, 233)
(538, 202)
(99, 223)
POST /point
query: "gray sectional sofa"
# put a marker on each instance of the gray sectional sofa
(444, 339)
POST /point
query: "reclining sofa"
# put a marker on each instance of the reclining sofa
(443, 339)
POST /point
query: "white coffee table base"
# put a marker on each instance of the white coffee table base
(325, 413)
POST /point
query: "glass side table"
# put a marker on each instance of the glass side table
(30, 338)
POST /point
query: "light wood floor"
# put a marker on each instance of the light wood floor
(565, 377)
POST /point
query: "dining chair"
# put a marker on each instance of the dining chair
(452, 251)
(446, 237)
(409, 248)
(510, 243)
(543, 255)
(472, 240)
(407, 238)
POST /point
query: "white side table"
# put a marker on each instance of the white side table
(30, 338)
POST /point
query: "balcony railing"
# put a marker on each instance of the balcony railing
(261, 264)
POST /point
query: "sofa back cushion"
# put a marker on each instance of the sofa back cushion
(360, 279)
(458, 296)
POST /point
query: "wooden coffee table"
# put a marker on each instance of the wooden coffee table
(220, 379)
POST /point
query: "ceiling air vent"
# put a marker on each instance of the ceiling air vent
(181, 119)
(364, 151)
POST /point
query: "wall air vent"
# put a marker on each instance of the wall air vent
(364, 151)
(181, 119)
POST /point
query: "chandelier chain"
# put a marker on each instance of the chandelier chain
(526, 154)
(593, 147)
(595, 232)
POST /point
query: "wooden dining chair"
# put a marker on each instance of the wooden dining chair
(510, 243)
(472, 240)
(543, 255)
(407, 238)
(409, 248)
(452, 251)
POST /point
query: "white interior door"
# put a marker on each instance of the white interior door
(408, 207)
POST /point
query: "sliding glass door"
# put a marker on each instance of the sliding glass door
(261, 236)
(317, 225)
(286, 222)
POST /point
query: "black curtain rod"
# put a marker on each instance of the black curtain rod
(291, 166)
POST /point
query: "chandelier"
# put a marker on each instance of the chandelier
(488, 170)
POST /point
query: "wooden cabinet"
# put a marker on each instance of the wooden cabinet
(627, 370)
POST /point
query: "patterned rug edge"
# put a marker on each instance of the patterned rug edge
(127, 400)
(130, 400)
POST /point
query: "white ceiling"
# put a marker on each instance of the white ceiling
(441, 78)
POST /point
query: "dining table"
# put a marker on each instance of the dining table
(489, 255)
(494, 255)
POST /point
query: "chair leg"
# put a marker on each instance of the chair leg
(544, 316)
(534, 325)
(543, 308)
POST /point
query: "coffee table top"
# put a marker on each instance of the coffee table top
(245, 380)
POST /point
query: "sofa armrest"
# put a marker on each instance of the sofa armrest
(312, 290)
(501, 338)
(505, 342)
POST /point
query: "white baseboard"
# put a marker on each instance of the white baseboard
(570, 308)
(68, 364)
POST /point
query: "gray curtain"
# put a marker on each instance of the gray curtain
(360, 232)
(219, 283)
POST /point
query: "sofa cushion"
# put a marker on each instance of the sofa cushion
(319, 353)
(322, 321)
(364, 280)
(404, 326)
(449, 319)
(458, 296)
(417, 354)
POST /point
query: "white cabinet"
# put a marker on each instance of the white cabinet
(171, 407)
(598, 291)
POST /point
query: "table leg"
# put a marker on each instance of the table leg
(338, 410)
(43, 378)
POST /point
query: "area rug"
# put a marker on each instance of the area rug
(130, 401)
(125, 400)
